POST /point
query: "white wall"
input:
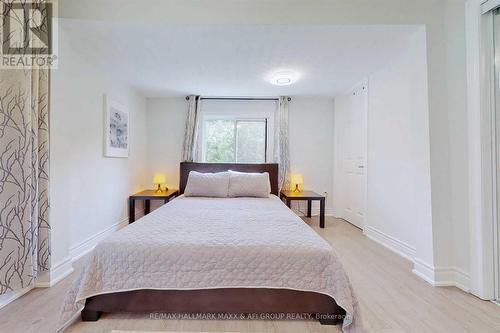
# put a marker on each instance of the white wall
(399, 192)
(166, 119)
(311, 132)
(89, 191)
(311, 144)
(457, 126)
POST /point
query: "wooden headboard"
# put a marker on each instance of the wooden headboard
(271, 168)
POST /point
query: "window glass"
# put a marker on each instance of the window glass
(235, 141)
(220, 141)
(251, 141)
(236, 130)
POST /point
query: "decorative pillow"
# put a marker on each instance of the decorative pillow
(242, 184)
(207, 184)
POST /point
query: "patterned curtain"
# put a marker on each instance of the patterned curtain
(189, 148)
(281, 149)
(24, 177)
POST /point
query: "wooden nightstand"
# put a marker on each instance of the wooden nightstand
(147, 196)
(309, 196)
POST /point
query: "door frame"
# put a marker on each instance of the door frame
(481, 149)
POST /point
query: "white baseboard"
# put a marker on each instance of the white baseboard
(424, 270)
(64, 267)
(45, 279)
(328, 211)
(13, 295)
(393, 244)
(436, 276)
(314, 211)
(57, 272)
(442, 276)
(86, 246)
(452, 276)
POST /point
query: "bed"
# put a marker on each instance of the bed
(222, 258)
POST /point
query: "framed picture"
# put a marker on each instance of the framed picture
(116, 129)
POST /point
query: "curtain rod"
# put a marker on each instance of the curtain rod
(243, 98)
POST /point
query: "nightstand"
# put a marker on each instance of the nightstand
(308, 196)
(147, 196)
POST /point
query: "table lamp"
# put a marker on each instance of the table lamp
(159, 178)
(297, 180)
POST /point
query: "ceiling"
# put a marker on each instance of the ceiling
(236, 60)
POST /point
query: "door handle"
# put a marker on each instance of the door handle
(361, 166)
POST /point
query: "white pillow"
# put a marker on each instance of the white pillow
(242, 184)
(207, 184)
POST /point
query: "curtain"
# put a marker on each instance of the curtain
(281, 150)
(24, 177)
(189, 148)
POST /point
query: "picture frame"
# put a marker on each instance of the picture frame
(116, 129)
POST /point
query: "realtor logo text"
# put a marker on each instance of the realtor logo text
(27, 34)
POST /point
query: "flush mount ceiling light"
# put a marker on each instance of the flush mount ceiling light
(283, 78)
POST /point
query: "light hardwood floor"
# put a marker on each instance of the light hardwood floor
(392, 299)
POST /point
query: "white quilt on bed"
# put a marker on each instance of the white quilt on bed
(203, 243)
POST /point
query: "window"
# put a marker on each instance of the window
(238, 140)
(236, 131)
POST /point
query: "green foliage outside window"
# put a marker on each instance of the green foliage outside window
(240, 141)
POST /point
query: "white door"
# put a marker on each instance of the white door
(353, 156)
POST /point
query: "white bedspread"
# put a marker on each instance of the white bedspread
(204, 243)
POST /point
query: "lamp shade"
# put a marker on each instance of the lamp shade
(297, 179)
(159, 178)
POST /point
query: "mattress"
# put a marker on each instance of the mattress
(206, 243)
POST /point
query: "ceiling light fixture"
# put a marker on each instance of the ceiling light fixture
(283, 78)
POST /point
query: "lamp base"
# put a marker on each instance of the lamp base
(296, 188)
(158, 190)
